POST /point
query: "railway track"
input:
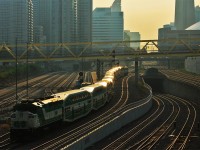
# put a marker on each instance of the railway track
(44, 87)
(36, 88)
(119, 104)
(122, 141)
(183, 131)
(11, 90)
(168, 127)
(7, 103)
(67, 83)
(171, 132)
(82, 130)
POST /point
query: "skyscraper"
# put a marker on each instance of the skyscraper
(16, 19)
(42, 20)
(64, 20)
(84, 20)
(108, 23)
(184, 14)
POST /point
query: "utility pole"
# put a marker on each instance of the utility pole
(27, 72)
(136, 71)
(16, 71)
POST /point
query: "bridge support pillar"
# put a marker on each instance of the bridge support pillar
(136, 71)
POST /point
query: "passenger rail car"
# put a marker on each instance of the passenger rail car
(76, 104)
(31, 116)
(109, 88)
(99, 95)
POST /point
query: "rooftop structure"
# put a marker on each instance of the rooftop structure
(116, 6)
(195, 26)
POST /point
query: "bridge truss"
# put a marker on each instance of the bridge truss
(96, 50)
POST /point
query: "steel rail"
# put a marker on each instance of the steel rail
(183, 145)
(85, 128)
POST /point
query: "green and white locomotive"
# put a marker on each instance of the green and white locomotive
(28, 116)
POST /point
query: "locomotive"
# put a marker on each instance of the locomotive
(32, 115)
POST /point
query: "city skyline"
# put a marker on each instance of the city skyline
(140, 17)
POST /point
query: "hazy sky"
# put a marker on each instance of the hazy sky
(144, 16)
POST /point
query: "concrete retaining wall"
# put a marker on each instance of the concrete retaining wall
(113, 125)
(181, 90)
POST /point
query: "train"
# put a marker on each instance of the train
(30, 116)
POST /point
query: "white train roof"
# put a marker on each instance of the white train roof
(50, 100)
(107, 79)
(91, 88)
(63, 95)
(103, 83)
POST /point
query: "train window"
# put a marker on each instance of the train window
(30, 115)
(67, 109)
(75, 98)
(13, 116)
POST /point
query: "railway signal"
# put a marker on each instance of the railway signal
(80, 78)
